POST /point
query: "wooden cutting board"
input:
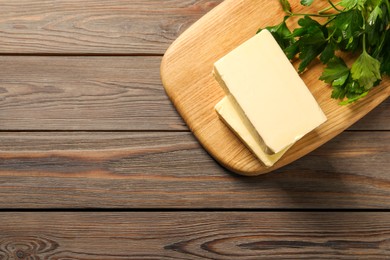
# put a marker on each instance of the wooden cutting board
(186, 74)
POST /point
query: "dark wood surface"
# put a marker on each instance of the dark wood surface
(216, 235)
(85, 123)
(171, 170)
(97, 27)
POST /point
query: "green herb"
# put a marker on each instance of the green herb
(360, 27)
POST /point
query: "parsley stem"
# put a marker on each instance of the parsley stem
(327, 22)
(315, 15)
(364, 34)
(364, 43)
(332, 5)
(335, 6)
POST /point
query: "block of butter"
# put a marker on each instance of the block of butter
(238, 123)
(268, 91)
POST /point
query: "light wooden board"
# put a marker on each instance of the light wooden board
(186, 75)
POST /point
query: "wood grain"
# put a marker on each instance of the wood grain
(93, 26)
(171, 170)
(194, 235)
(84, 93)
(186, 74)
(98, 93)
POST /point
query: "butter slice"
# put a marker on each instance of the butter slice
(271, 94)
(227, 111)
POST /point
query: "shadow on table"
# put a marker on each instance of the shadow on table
(308, 183)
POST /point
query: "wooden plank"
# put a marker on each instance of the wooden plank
(194, 235)
(187, 78)
(98, 93)
(125, 27)
(171, 170)
(84, 93)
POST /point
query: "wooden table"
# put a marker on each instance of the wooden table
(95, 162)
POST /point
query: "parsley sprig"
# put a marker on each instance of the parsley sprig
(360, 27)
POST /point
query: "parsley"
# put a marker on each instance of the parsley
(366, 71)
(361, 27)
(306, 2)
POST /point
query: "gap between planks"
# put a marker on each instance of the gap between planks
(195, 210)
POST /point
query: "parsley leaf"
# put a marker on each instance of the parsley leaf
(292, 50)
(377, 12)
(328, 52)
(335, 70)
(366, 71)
(336, 73)
(338, 92)
(286, 6)
(281, 33)
(306, 2)
(348, 4)
(311, 41)
(344, 85)
(376, 25)
(346, 29)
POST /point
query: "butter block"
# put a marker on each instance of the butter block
(238, 123)
(269, 92)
